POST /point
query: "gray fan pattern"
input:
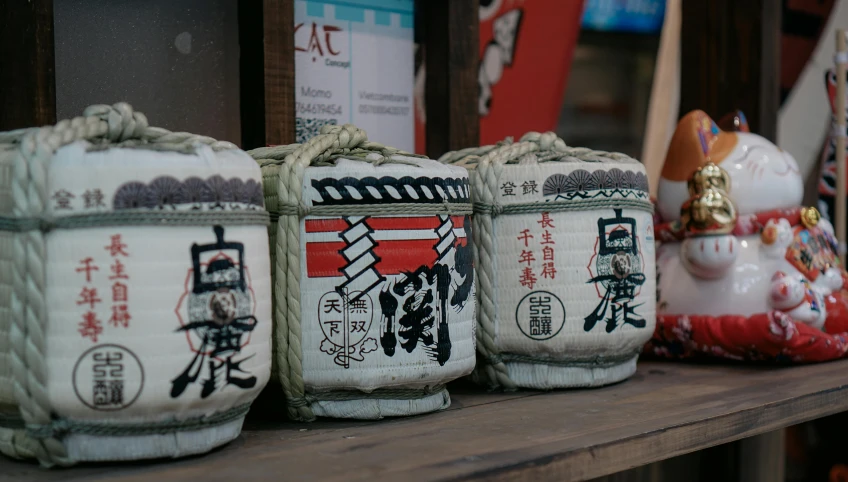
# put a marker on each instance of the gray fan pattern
(167, 191)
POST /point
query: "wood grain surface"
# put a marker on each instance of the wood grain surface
(451, 42)
(664, 410)
(730, 59)
(278, 19)
(27, 67)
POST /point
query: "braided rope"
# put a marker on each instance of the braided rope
(286, 201)
(485, 165)
(27, 336)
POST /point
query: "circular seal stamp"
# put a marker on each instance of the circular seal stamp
(108, 377)
(540, 315)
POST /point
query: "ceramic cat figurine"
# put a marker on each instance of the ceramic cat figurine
(796, 297)
(735, 240)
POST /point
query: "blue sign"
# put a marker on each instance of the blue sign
(644, 16)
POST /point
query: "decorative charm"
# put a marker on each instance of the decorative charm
(710, 176)
(810, 217)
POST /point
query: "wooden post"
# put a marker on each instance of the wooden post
(451, 43)
(762, 458)
(730, 59)
(278, 17)
(266, 35)
(841, 65)
(27, 67)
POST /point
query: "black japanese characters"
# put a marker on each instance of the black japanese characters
(220, 310)
(618, 273)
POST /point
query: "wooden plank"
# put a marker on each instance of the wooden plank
(278, 16)
(451, 42)
(730, 59)
(665, 410)
(27, 67)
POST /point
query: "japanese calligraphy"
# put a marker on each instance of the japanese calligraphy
(617, 274)
(117, 314)
(63, 199)
(508, 189)
(529, 187)
(120, 291)
(527, 257)
(540, 315)
(108, 377)
(345, 320)
(93, 198)
(220, 318)
(90, 327)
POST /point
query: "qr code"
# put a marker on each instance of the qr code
(307, 128)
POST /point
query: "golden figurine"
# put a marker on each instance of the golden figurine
(810, 217)
(710, 176)
(711, 212)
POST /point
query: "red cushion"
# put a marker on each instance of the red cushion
(772, 336)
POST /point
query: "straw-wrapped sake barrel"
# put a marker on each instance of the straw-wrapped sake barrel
(373, 276)
(564, 253)
(135, 290)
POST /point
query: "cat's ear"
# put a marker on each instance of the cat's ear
(778, 275)
(734, 122)
(696, 141)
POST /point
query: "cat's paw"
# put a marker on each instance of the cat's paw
(829, 281)
(709, 257)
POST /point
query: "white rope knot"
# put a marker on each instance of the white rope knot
(349, 135)
(123, 122)
(547, 141)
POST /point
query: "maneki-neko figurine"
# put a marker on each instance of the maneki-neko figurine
(744, 271)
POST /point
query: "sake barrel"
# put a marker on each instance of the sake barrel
(373, 276)
(564, 251)
(135, 290)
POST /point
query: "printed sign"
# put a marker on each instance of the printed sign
(354, 64)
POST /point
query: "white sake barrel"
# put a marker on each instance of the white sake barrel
(374, 281)
(135, 290)
(564, 252)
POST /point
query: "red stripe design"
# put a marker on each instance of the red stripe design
(324, 259)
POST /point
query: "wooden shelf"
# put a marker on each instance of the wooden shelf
(665, 410)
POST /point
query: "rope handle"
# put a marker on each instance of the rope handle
(509, 152)
(333, 142)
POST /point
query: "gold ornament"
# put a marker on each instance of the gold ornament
(711, 212)
(810, 217)
(709, 176)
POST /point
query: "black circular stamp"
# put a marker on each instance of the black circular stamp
(540, 315)
(108, 377)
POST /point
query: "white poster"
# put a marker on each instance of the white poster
(354, 63)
